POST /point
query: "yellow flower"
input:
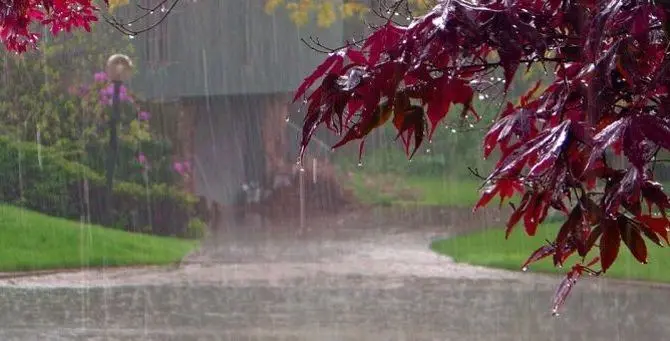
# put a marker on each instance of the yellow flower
(350, 9)
(326, 14)
(271, 5)
(113, 4)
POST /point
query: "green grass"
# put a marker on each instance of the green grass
(385, 189)
(33, 241)
(489, 248)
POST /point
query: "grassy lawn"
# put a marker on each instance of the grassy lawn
(33, 241)
(384, 189)
(489, 248)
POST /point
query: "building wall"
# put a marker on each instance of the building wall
(226, 47)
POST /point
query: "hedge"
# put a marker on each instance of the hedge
(47, 182)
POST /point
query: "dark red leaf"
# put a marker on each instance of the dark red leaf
(517, 214)
(658, 225)
(563, 291)
(333, 64)
(543, 252)
(605, 138)
(655, 129)
(591, 241)
(609, 243)
(633, 240)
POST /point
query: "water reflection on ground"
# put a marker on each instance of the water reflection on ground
(377, 285)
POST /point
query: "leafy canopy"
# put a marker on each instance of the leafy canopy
(327, 12)
(18, 19)
(608, 99)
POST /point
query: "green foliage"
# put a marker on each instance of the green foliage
(34, 241)
(484, 248)
(388, 190)
(35, 178)
(39, 90)
(157, 152)
(197, 228)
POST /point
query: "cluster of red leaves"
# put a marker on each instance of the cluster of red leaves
(609, 96)
(19, 17)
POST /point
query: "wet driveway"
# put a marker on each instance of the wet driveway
(345, 284)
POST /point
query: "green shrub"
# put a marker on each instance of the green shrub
(47, 182)
(157, 152)
(197, 228)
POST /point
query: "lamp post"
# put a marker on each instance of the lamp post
(119, 68)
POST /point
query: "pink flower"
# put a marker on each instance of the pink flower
(144, 116)
(182, 168)
(143, 161)
(141, 158)
(179, 168)
(107, 94)
(100, 77)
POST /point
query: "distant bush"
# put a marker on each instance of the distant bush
(157, 152)
(47, 182)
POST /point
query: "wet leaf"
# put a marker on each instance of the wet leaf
(609, 243)
(541, 253)
(657, 225)
(633, 240)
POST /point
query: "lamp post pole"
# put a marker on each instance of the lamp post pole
(119, 68)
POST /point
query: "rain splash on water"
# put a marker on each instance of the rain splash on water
(253, 245)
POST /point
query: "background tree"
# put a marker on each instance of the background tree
(608, 97)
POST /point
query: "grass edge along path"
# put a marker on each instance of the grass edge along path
(489, 248)
(31, 241)
(390, 190)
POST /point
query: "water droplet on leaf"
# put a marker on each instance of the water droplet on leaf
(524, 269)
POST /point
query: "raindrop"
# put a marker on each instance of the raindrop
(130, 24)
(163, 9)
(288, 118)
(360, 164)
(409, 18)
(302, 169)
(428, 150)
(453, 130)
(481, 97)
(472, 125)
(554, 313)
(39, 149)
(131, 36)
(524, 269)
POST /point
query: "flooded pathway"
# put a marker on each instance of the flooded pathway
(339, 282)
